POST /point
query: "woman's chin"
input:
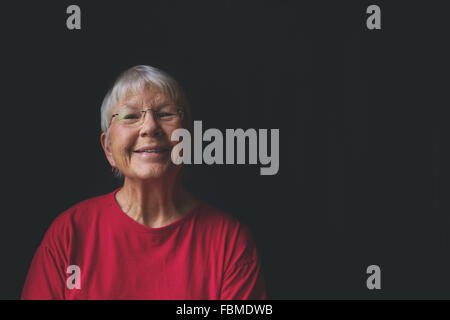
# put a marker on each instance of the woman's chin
(153, 172)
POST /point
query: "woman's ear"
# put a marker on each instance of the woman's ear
(106, 148)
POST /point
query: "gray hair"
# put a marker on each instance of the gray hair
(136, 79)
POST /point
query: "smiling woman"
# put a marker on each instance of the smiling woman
(150, 238)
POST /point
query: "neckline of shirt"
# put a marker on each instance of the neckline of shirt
(140, 227)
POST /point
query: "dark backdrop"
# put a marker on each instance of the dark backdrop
(362, 115)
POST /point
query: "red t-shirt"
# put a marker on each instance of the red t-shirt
(206, 254)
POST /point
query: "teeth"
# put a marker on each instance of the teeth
(151, 150)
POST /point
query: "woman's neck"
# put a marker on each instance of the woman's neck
(155, 203)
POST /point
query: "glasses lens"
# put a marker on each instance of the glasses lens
(133, 115)
(166, 116)
(129, 115)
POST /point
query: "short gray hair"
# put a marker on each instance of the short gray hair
(136, 79)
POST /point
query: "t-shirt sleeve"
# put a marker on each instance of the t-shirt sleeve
(243, 278)
(45, 280)
(46, 277)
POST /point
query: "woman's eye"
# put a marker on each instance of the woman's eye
(131, 116)
(164, 114)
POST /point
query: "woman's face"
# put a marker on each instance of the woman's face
(142, 151)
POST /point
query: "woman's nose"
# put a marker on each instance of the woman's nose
(150, 125)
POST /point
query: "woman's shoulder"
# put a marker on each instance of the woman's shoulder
(224, 223)
(77, 215)
(230, 233)
(86, 208)
(215, 217)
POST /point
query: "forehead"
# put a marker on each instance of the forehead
(148, 96)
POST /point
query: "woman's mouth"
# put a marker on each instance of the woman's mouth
(151, 151)
(152, 155)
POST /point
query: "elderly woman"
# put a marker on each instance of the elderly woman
(151, 238)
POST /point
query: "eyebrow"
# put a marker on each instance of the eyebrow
(157, 106)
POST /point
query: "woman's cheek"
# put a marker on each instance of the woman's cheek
(123, 140)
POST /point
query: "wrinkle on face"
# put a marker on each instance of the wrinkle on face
(123, 140)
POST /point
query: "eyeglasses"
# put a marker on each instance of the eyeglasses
(133, 116)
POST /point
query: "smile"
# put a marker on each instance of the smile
(154, 154)
(152, 151)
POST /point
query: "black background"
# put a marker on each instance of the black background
(362, 115)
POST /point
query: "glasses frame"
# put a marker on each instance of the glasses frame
(180, 112)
